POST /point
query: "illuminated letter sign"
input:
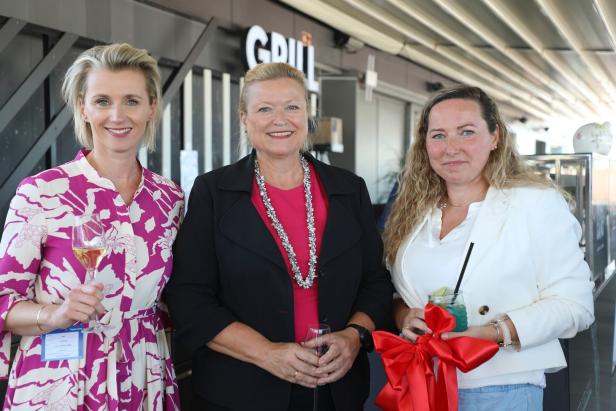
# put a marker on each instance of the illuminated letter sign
(263, 47)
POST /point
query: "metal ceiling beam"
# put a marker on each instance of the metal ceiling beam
(455, 9)
(35, 79)
(328, 14)
(324, 12)
(34, 155)
(607, 12)
(413, 54)
(554, 13)
(521, 82)
(172, 87)
(8, 32)
(402, 28)
(518, 26)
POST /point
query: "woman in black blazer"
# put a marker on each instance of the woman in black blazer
(249, 257)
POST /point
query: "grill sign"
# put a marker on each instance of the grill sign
(263, 47)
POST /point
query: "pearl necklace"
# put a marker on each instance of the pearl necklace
(284, 239)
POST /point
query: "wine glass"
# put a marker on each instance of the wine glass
(316, 332)
(89, 247)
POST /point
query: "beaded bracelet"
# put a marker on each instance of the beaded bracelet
(38, 317)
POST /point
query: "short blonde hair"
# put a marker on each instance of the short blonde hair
(275, 71)
(112, 57)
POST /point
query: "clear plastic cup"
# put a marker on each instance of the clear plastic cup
(454, 303)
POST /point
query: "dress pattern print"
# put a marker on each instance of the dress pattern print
(127, 366)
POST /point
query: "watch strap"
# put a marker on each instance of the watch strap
(365, 337)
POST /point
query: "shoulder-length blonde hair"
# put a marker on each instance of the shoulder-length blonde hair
(112, 57)
(421, 188)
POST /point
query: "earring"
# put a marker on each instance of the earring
(494, 147)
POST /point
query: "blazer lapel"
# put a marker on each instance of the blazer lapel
(486, 230)
(242, 223)
(341, 232)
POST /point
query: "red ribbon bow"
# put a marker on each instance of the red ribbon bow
(411, 384)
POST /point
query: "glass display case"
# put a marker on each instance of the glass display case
(589, 382)
(590, 181)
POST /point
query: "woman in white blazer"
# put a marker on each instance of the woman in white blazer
(526, 283)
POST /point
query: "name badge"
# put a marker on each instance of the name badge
(64, 344)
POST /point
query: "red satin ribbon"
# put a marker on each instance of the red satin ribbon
(411, 382)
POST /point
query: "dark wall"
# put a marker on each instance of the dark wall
(338, 99)
(22, 55)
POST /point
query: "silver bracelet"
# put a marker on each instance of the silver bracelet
(506, 332)
(507, 343)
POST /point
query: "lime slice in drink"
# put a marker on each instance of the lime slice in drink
(442, 291)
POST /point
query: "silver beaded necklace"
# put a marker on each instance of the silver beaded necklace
(286, 244)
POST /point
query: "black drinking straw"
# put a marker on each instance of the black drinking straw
(468, 255)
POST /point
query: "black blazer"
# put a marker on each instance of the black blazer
(227, 267)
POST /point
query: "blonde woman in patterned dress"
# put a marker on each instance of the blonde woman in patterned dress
(114, 92)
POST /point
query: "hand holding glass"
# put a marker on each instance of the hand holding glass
(89, 247)
(316, 332)
(454, 303)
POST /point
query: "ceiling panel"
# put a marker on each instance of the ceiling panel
(537, 22)
(487, 17)
(608, 61)
(544, 57)
(433, 10)
(587, 23)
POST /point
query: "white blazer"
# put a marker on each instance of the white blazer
(526, 262)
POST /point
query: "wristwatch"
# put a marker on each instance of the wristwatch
(365, 337)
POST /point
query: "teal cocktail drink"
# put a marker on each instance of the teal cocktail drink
(455, 305)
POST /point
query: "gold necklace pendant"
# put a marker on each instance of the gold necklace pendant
(445, 203)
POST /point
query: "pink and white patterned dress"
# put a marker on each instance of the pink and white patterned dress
(127, 367)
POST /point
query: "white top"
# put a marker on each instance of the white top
(526, 263)
(432, 263)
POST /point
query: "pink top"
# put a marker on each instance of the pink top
(126, 367)
(290, 206)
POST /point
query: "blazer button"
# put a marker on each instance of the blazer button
(322, 274)
(483, 310)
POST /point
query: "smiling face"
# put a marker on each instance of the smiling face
(117, 107)
(458, 141)
(276, 119)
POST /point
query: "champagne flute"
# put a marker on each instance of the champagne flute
(89, 247)
(316, 332)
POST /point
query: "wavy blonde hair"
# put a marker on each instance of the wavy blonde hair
(114, 57)
(420, 188)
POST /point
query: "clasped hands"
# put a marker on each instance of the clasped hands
(300, 364)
